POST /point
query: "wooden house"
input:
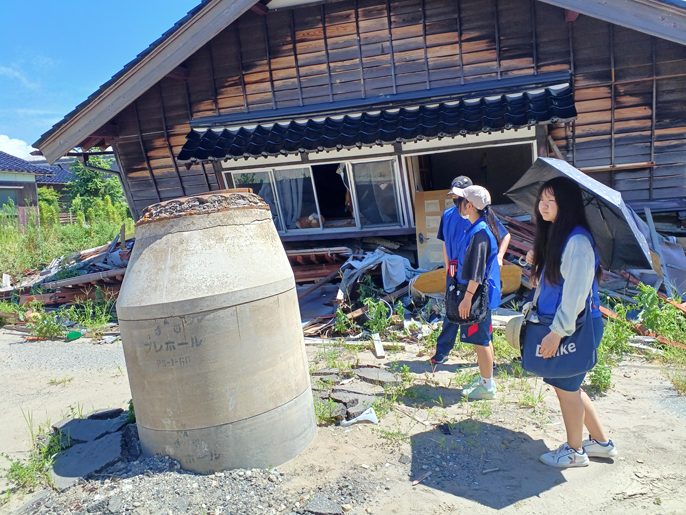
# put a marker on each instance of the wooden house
(18, 191)
(351, 117)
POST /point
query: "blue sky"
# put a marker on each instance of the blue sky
(53, 54)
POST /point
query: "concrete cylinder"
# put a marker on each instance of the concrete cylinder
(212, 337)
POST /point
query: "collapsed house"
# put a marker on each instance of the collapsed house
(350, 118)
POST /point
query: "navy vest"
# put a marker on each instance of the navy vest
(494, 296)
(551, 294)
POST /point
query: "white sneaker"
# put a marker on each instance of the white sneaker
(598, 450)
(564, 456)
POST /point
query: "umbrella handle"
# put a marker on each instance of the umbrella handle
(522, 261)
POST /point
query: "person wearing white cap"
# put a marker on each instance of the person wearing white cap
(473, 258)
(451, 231)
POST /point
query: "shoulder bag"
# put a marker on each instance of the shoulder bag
(576, 353)
(454, 295)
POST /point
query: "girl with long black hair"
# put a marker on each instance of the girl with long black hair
(565, 268)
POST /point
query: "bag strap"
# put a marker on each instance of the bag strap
(537, 293)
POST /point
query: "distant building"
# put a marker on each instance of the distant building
(18, 184)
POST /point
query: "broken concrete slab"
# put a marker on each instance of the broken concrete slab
(353, 399)
(81, 430)
(327, 379)
(340, 412)
(326, 372)
(320, 505)
(378, 376)
(84, 459)
(130, 443)
(360, 388)
(104, 414)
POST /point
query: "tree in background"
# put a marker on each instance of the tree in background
(98, 196)
(90, 185)
(48, 206)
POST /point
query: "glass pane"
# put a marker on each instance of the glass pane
(297, 199)
(375, 189)
(261, 185)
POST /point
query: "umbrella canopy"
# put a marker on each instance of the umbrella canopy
(619, 242)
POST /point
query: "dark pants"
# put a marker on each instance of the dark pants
(479, 334)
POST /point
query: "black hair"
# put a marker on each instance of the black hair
(551, 237)
(491, 220)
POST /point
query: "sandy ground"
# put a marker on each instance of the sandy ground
(646, 419)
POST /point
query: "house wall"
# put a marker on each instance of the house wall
(24, 186)
(628, 85)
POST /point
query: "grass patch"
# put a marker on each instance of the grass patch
(678, 380)
(64, 381)
(35, 471)
(325, 411)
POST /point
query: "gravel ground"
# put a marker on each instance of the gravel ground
(158, 486)
(60, 355)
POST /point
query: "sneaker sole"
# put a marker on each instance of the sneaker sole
(610, 454)
(480, 398)
(442, 362)
(564, 465)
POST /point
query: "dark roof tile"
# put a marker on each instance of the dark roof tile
(385, 126)
(16, 164)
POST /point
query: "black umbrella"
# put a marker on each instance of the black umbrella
(620, 244)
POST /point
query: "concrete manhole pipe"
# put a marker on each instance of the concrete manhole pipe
(211, 331)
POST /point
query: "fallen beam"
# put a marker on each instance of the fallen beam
(83, 279)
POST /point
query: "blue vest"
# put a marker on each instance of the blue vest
(494, 296)
(551, 294)
(454, 229)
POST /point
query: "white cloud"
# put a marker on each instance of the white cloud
(17, 147)
(16, 74)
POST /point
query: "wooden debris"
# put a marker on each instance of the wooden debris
(389, 298)
(489, 471)
(411, 415)
(421, 478)
(378, 347)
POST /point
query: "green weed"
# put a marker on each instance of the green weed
(45, 325)
(35, 471)
(324, 411)
(131, 414)
(377, 316)
(63, 381)
(481, 409)
(531, 398)
(678, 380)
(93, 314)
(392, 436)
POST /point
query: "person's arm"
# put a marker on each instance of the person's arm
(504, 243)
(504, 236)
(446, 261)
(578, 270)
(474, 269)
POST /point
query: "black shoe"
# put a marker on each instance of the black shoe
(439, 360)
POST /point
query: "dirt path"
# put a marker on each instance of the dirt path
(644, 415)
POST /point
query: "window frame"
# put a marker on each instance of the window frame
(399, 191)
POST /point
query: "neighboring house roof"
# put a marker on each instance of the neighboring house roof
(388, 126)
(11, 163)
(60, 175)
(662, 18)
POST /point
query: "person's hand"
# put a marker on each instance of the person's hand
(530, 257)
(500, 261)
(465, 306)
(533, 281)
(550, 344)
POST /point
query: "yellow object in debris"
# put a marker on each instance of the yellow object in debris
(510, 278)
(434, 281)
(431, 282)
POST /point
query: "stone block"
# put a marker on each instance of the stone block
(81, 430)
(84, 459)
(104, 414)
(352, 399)
(320, 505)
(378, 376)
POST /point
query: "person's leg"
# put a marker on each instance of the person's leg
(591, 420)
(446, 340)
(572, 408)
(484, 356)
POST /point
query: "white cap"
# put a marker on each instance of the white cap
(477, 195)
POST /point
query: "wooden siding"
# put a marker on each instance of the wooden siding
(628, 85)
